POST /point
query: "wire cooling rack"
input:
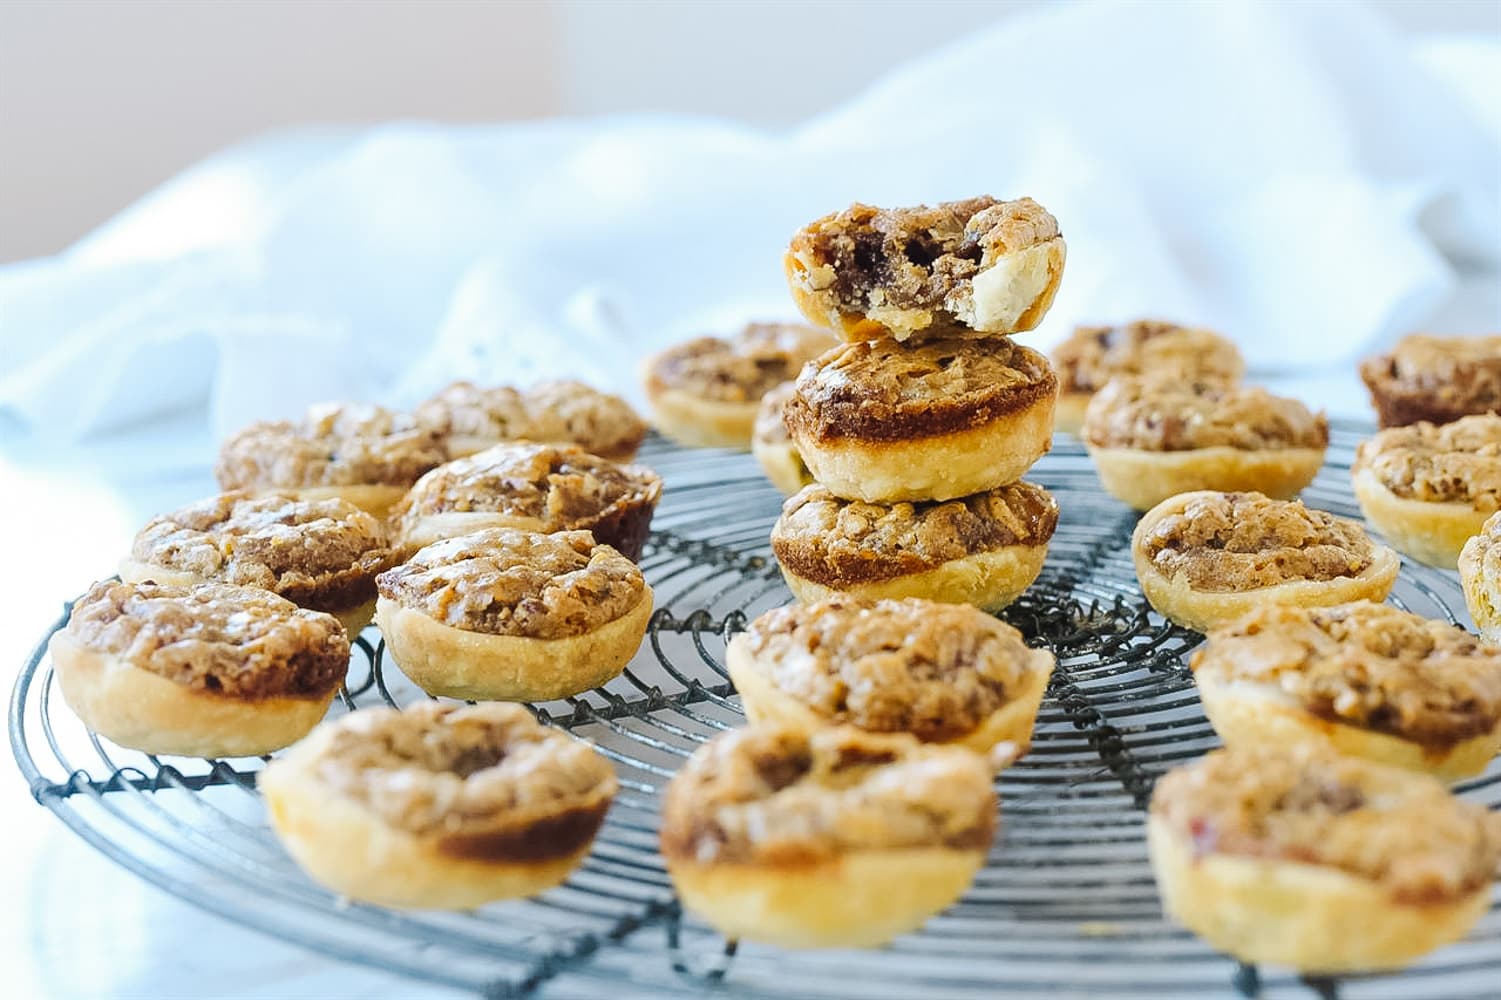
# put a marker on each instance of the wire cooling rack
(1066, 905)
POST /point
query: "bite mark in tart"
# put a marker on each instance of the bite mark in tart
(1480, 575)
(470, 418)
(773, 447)
(1435, 379)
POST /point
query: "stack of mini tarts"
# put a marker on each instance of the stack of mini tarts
(928, 402)
(470, 418)
(1430, 487)
(1435, 379)
(1480, 575)
(1152, 438)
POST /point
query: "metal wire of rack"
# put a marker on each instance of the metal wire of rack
(1065, 906)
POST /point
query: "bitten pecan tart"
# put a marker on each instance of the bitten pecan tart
(1205, 558)
(1430, 487)
(944, 673)
(533, 487)
(705, 392)
(984, 265)
(773, 447)
(367, 455)
(1363, 679)
(470, 418)
(207, 670)
(930, 420)
(438, 806)
(1303, 857)
(1437, 379)
(1153, 438)
(838, 838)
(1480, 575)
(319, 554)
(1093, 355)
(984, 549)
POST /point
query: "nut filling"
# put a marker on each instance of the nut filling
(1449, 463)
(520, 583)
(1435, 378)
(1151, 413)
(321, 554)
(885, 391)
(487, 780)
(216, 638)
(1243, 541)
(838, 542)
(934, 670)
(1368, 665)
(1403, 831)
(334, 445)
(741, 369)
(771, 795)
(1093, 355)
(555, 412)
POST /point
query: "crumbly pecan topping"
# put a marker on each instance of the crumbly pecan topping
(1459, 462)
(558, 412)
(838, 542)
(934, 670)
(322, 554)
(883, 390)
(1156, 414)
(455, 770)
(1435, 378)
(333, 445)
(1367, 665)
(1400, 829)
(241, 642)
(1093, 355)
(771, 795)
(507, 582)
(739, 369)
(1243, 541)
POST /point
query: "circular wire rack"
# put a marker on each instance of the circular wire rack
(1066, 905)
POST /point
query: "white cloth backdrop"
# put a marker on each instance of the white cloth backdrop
(1295, 175)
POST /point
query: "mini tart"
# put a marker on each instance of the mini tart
(1437, 379)
(438, 806)
(1205, 558)
(835, 838)
(208, 670)
(984, 265)
(1362, 679)
(929, 420)
(773, 447)
(1329, 864)
(941, 672)
(532, 487)
(367, 455)
(706, 392)
(1480, 575)
(470, 418)
(513, 615)
(984, 549)
(1429, 488)
(1093, 355)
(1153, 438)
(319, 554)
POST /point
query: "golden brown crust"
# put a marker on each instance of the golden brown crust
(507, 582)
(1480, 575)
(1366, 665)
(772, 795)
(1152, 413)
(1458, 462)
(886, 391)
(1244, 541)
(333, 445)
(1401, 830)
(1435, 379)
(840, 543)
(551, 487)
(237, 642)
(936, 671)
(556, 412)
(738, 369)
(319, 554)
(1093, 355)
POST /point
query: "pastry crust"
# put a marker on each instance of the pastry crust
(838, 838)
(984, 265)
(1365, 680)
(490, 806)
(470, 418)
(1358, 569)
(773, 447)
(1435, 379)
(1480, 575)
(1143, 479)
(935, 420)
